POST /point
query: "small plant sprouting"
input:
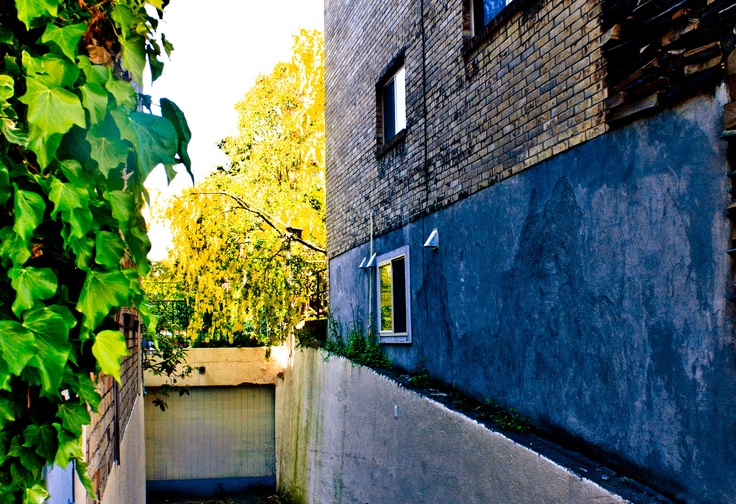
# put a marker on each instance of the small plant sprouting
(420, 379)
(358, 345)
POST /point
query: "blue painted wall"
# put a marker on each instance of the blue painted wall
(589, 292)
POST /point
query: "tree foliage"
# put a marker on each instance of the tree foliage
(75, 149)
(249, 240)
(168, 357)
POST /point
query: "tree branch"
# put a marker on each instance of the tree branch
(274, 223)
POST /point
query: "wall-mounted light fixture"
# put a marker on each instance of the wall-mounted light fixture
(433, 241)
(368, 263)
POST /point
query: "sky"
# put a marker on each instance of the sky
(220, 47)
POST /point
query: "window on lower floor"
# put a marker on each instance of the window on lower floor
(393, 297)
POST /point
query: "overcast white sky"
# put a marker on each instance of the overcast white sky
(220, 47)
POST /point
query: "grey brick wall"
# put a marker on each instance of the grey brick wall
(492, 107)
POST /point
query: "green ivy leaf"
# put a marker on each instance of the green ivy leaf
(74, 416)
(139, 245)
(11, 65)
(65, 39)
(156, 141)
(123, 92)
(67, 196)
(94, 74)
(36, 494)
(107, 149)
(87, 391)
(20, 476)
(6, 190)
(28, 10)
(73, 171)
(44, 148)
(155, 64)
(6, 35)
(7, 87)
(124, 18)
(109, 249)
(13, 247)
(43, 439)
(170, 173)
(50, 326)
(51, 69)
(14, 133)
(134, 56)
(101, 292)
(70, 447)
(4, 380)
(174, 114)
(80, 221)
(7, 413)
(81, 468)
(83, 248)
(168, 47)
(109, 348)
(31, 284)
(51, 109)
(29, 208)
(17, 344)
(123, 206)
(94, 99)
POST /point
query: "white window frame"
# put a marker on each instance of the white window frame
(398, 81)
(382, 260)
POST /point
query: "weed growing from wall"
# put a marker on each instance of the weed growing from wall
(357, 344)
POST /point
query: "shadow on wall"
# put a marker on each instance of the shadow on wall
(553, 327)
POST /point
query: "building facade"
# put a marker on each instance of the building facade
(573, 157)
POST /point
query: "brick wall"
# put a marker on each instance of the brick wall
(525, 90)
(108, 425)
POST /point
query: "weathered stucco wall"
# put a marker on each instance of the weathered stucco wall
(229, 366)
(346, 434)
(589, 292)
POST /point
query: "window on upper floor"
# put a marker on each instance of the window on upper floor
(483, 11)
(391, 106)
(394, 311)
(393, 102)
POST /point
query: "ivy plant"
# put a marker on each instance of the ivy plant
(76, 145)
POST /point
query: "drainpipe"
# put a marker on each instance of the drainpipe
(370, 279)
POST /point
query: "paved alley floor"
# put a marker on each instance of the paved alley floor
(253, 499)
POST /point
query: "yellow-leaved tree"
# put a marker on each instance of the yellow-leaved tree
(248, 241)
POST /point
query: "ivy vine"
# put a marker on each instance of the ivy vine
(75, 148)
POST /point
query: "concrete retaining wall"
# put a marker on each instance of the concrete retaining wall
(345, 434)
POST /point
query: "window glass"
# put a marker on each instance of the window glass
(491, 8)
(483, 11)
(393, 99)
(386, 315)
(400, 91)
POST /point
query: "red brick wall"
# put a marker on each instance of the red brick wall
(107, 429)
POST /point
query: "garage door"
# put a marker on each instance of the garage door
(217, 440)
